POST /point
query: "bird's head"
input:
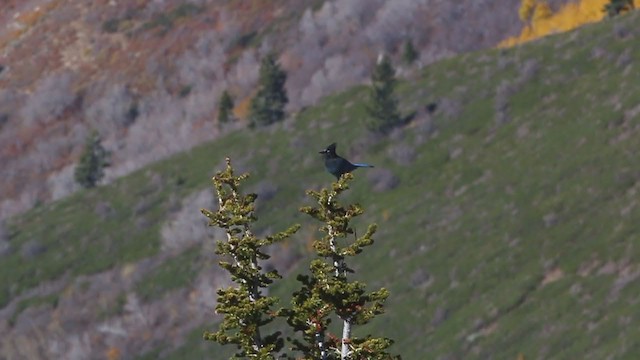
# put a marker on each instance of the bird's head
(329, 151)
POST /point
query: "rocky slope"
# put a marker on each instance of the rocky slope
(147, 74)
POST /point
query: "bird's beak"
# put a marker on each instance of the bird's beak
(322, 152)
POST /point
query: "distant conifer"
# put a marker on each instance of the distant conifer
(409, 53)
(383, 105)
(225, 106)
(267, 107)
(90, 169)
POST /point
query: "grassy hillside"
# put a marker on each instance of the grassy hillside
(513, 229)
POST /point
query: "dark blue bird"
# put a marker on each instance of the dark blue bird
(336, 164)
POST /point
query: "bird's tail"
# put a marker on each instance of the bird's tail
(362, 165)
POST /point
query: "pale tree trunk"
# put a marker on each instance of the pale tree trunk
(346, 335)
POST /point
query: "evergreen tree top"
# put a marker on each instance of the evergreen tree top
(267, 106)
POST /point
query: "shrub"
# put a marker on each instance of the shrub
(111, 26)
(616, 7)
(117, 105)
(183, 229)
(5, 246)
(402, 154)
(50, 98)
(382, 180)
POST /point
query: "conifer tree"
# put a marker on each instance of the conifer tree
(383, 105)
(94, 158)
(267, 106)
(327, 292)
(225, 105)
(246, 309)
(325, 295)
(409, 53)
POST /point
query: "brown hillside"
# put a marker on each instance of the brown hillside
(147, 74)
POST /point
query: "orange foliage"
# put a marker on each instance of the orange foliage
(113, 353)
(241, 111)
(26, 20)
(569, 17)
(10, 36)
(29, 18)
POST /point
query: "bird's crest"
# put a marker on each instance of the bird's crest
(331, 149)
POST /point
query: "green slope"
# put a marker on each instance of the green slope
(502, 238)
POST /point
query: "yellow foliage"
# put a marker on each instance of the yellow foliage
(128, 270)
(526, 9)
(542, 11)
(568, 17)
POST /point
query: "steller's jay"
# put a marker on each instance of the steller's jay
(336, 164)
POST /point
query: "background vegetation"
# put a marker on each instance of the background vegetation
(507, 208)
